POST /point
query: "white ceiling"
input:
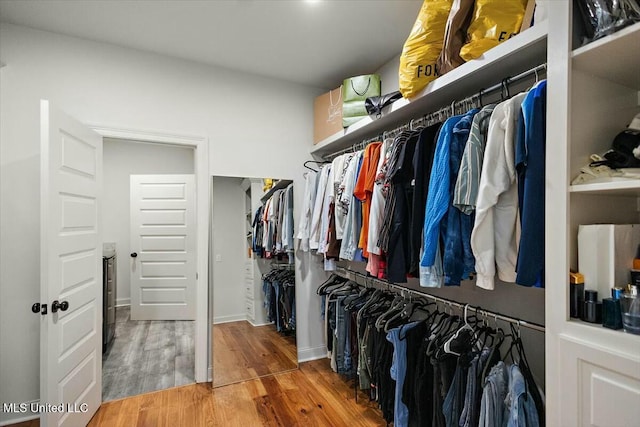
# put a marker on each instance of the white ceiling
(316, 43)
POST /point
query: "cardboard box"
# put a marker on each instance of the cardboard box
(327, 115)
(605, 255)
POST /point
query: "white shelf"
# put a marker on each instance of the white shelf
(520, 53)
(280, 185)
(621, 48)
(629, 188)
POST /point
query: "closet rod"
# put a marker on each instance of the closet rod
(443, 112)
(343, 272)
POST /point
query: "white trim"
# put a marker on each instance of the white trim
(11, 421)
(210, 374)
(311, 353)
(123, 302)
(201, 145)
(260, 324)
(230, 318)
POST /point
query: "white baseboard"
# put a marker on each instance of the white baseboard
(123, 302)
(230, 318)
(260, 324)
(5, 419)
(210, 374)
(311, 353)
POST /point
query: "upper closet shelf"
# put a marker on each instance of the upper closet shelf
(629, 188)
(520, 53)
(615, 57)
(280, 185)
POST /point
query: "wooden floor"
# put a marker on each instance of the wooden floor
(147, 356)
(242, 352)
(311, 396)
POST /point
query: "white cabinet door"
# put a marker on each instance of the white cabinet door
(163, 245)
(70, 269)
(600, 388)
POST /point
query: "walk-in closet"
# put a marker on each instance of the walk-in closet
(406, 213)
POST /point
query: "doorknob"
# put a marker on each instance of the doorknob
(134, 254)
(62, 306)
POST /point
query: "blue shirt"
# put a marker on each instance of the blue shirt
(438, 197)
(530, 164)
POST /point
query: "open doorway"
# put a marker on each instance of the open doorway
(152, 353)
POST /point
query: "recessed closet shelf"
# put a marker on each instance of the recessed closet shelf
(620, 48)
(280, 185)
(617, 341)
(518, 54)
(630, 188)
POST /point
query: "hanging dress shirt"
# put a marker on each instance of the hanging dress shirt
(465, 194)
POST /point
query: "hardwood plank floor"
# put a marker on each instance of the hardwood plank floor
(147, 356)
(242, 352)
(311, 396)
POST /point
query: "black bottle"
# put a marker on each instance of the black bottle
(592, 311)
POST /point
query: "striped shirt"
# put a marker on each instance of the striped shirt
(465, 193)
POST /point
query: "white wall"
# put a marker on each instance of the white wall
(255, 126)
(228, 249)
(121, 159)
(389, 75)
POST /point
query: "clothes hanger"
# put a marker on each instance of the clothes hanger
(465, 327)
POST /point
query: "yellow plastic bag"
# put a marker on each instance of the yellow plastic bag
(494, 21)
(423, 47)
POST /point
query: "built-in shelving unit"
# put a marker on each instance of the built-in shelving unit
(614, 188)
(622, 53)
(518, 54)
(280, 185)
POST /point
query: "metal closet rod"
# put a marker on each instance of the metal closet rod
(489, 314)
(444, 112)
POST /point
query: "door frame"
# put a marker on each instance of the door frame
(201, 170)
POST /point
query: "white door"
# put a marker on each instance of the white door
(163, 247)
(70, 269)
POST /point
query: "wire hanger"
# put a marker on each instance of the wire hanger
(306, 164)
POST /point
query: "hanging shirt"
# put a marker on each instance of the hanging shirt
(339, 182)
(287, 222)
(316, 217)
(530, 164)
(364, 189)
(304, 227)
(329, 194)
(493, 239)
(401, 177)
(422, 162)
(375, 214)
(438, 197)
(348, 201)
(458, 261)
(465, 194)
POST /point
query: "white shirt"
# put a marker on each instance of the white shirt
(329, 196)
(314, 235)
(339, 180)
(376, 212)
(304, 227)
(493, 240)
